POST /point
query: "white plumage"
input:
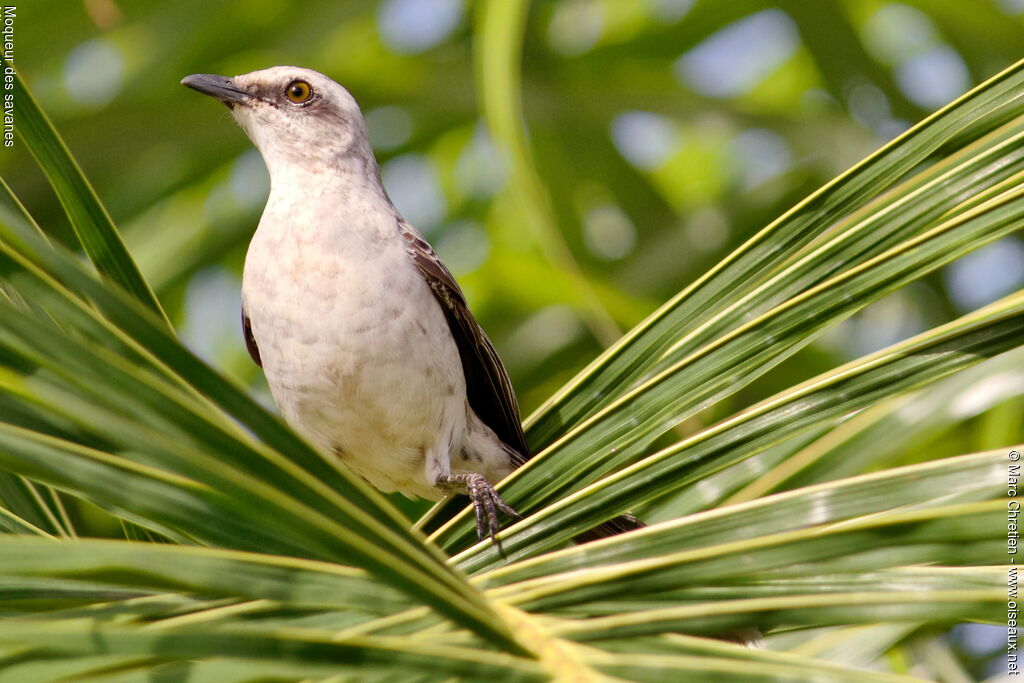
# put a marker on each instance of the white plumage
(355, 344)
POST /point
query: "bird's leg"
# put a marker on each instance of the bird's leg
(486, 501)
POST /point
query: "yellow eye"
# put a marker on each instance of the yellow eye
(298, 92)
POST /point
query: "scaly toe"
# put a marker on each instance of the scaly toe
(505, 507)
(486, 503)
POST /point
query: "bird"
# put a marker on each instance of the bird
(369, 348)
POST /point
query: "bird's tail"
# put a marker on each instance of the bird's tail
(613, 527)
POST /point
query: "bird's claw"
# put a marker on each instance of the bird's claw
(486, 503)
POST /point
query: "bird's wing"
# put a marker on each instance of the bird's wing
(487, 384)
(250, 341)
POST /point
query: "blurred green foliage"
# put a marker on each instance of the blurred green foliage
(665, 131)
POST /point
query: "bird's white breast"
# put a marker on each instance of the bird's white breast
(356, 350)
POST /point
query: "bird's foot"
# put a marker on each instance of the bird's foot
(486, 502)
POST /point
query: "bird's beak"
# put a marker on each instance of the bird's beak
(221, 87)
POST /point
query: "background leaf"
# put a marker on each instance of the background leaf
(575, 162)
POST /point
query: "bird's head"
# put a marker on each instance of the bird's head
(292, 115)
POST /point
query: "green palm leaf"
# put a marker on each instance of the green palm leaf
(92, 224)
(248, 555)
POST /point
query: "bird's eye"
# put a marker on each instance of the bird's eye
(298, 92)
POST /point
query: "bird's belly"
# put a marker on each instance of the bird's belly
(365, 370)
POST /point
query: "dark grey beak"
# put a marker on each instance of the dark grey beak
(221, 87)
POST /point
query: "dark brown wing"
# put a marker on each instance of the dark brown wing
(487, 384)
(250, 341)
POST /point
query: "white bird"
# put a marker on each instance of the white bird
(368, 346)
